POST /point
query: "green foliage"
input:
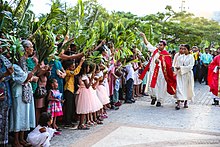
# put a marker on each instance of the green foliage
(45, 44)
(88, 22)
(14, 46)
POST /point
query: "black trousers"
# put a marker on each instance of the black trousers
(70, 107)
(204, 74)
(129, 89)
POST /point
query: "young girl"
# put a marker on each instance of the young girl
(54, 105)
(92, 117)
(101, 90)
(42, 134)
(85, 102)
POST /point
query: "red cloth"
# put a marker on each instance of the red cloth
(166, 63)
(154, 77)
(213, 77)
(147, 67)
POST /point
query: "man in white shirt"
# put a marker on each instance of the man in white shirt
(129, 82)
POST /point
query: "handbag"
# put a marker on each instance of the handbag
(27, 93)
(40, 92)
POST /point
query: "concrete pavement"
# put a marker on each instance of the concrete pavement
(141, 124)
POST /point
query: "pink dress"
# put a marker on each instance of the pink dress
(102, 92)
(88, 101)
(54, 107)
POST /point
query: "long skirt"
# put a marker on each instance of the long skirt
(3, 123)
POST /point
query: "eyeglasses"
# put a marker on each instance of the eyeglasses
(160, 44)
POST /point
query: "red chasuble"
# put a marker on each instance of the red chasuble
(213, 78)
(166, 63)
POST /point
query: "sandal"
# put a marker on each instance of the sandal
(100, 118)
(83, 127)
(99, 122)
(89, 123)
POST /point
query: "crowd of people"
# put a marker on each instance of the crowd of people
(37, 95)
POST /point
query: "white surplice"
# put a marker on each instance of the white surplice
(160, 90)
(185, 79)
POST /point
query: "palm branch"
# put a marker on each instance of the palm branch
(45, 44)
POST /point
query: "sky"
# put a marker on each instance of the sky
(203, 8)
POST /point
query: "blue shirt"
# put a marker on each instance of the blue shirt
(206, 58)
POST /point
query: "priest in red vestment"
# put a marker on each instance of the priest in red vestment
(162, 78)
(213, 78)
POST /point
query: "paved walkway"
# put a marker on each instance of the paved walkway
(141, 124)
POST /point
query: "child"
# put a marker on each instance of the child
(118, 73)
(69, 88)
(101, 91)
(92, 117)
(85, 103)
(129, 82)
(42, 134)
(54, 105)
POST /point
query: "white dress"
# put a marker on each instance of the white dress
(38, 139)
(185, 79)
(137, 81)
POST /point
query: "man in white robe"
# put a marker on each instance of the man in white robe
(160, 91)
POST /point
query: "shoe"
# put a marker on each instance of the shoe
(216, 102)
(72, 127)
(89, 123)
(128, 102)
(133, 100)
(58, 129)
(158, 104)
(99, 122)
(118, 104)
(144, 94)
(83, 127)
(153, 101)
(114, 107)
(57, 133)
(186, 106)
(177, 107)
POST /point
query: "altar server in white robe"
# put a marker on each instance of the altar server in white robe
(185, 79)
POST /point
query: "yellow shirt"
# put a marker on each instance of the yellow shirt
(70, 79)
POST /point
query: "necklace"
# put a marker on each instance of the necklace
(184, 59)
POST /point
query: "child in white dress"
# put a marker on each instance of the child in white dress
(42, 134)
